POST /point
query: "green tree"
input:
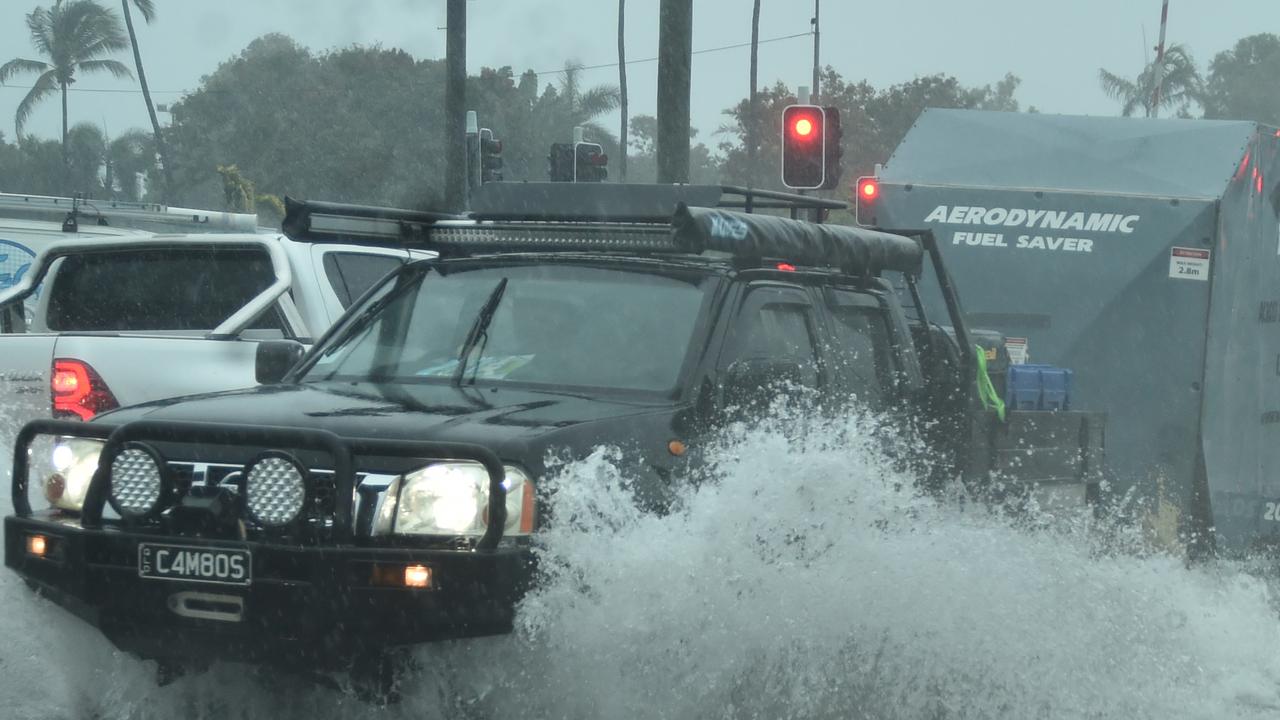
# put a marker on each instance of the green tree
(1181, 86)
(237, 191)
(1244, 82)
(147, 9)
(74, 35)
(573, 105)
(353, 125)
(704, 167)
(129, 157)
(874, 121)
(86, 152)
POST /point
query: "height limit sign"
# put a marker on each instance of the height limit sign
(1189, 264)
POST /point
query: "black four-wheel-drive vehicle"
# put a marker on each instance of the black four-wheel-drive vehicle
(384, 491)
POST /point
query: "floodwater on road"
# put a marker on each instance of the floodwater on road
(806, 580)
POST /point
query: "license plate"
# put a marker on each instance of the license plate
(224, 566)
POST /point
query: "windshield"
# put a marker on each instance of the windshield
(552, 325)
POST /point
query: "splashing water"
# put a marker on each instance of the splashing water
(805, 579)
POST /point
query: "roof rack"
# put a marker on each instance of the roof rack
(618, 202)
(689, 230)
(116, 213)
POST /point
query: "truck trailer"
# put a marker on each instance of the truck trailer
(1144, 254)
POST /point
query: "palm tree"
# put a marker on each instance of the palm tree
(622, 89)
(148, 10)
(73, 35)
(580, 107)
(1180, 85)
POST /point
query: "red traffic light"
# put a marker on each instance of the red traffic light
(866, 191)
(804, 146)
(803, 122)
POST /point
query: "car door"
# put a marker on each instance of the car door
(859, 348)
(772, 346)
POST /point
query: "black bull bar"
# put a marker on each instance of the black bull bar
(343, 452)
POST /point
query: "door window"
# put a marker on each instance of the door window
(776, 324)
(351, 274)
(861, 358)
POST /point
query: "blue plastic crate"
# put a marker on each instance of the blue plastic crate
(1038, 387)
(1023, 387)
(1055, 388)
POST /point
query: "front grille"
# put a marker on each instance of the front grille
(318, 515)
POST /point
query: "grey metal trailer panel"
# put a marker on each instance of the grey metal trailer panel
(1143, 254)
(1099, 155)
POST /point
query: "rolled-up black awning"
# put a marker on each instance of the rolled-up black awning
(851, 249)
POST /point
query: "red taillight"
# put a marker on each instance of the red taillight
(786, 267)
(868, 189)
(1244, 164)
(79, 391)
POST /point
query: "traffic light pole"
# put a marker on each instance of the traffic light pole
(816, 65)
(455, 101)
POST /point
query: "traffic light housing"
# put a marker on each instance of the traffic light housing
(804, 147)
(561, 162)
(866, 192)
(490, 157)
(578, 162)
(833, 150)
(590, 162)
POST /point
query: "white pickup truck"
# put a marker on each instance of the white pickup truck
(122, 320)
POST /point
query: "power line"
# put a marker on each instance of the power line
(103, 90)
(136, 91)
(695, 52)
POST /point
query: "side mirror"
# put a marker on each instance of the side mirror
(751, 385)
(275, 358)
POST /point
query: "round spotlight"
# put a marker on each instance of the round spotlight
(135, 481)
(275, 489)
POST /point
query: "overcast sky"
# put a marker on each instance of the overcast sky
(1056, 47)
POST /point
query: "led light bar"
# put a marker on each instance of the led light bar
(551, 236)
(356, 227)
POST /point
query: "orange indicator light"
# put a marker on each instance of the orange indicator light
(417, 576)
(37, 545)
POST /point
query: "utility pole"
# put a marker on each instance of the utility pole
(455, 102)
(816, 66)
(675, 59)
(1155, 100)
(752, 125)
(622, 89)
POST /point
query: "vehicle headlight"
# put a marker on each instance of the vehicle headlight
(71, 464)
(452, 498)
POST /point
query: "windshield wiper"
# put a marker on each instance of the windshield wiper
(480, 328)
